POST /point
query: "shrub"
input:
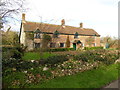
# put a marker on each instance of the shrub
(105, 56)
(13, 52)
(14, 79)
(18, 64)
(84, 56)
(60, 49)
(52, 60)
(92, 48)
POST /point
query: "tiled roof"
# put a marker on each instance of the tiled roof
(51, 28)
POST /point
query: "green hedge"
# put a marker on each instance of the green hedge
(52, 60)
(92, 48)
(60, 49)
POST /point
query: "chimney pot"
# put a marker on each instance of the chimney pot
(63, 22)
(23, 16)
(81, 25)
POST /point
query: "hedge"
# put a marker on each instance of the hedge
(92, 48)
(60, 49)
(52, 60)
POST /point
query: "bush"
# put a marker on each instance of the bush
(12, 52)
(14, 80)
(52, 60)
(105, 56)
(18, 64)
(60, 49)
(84, 56)
(92, 48)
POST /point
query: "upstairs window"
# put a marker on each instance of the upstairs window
(55, 34)
(37, 33)
(76, 35)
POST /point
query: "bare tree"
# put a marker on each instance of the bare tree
(9, 8)
(110, 41)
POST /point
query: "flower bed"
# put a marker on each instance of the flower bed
(71, 67)
(38, 74)
(35, 71)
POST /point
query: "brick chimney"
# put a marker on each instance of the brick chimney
(23, 17)
(81, 25)
(62, 22)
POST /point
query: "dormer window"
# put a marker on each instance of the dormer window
(55, 34)
(37, 33)
(76, 35)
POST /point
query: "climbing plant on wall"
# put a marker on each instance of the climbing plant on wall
(30, 35)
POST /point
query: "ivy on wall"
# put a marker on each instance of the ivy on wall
(30, 35)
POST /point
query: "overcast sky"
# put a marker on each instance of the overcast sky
(100, 15)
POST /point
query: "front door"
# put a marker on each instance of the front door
(74, 46)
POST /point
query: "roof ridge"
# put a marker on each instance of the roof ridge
(55, 24)
(42, 22)
(47, 27)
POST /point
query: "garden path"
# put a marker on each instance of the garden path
(113, 84)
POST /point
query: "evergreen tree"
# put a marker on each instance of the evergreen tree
(67, 42)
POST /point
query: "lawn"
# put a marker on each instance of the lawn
(36, 55)
(95, 78)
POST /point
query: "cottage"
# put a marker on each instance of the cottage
(78, 36)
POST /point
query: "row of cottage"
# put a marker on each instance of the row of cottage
(59, 33)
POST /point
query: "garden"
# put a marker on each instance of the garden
(77, 69)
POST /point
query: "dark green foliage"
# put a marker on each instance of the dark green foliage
(84, 56)
(67, 42)
(30, 35)
(55, 60)
(40, 71)
(92, 48)
(47, 73)
(60, 49)
(17, 64)
(13, 52)
(98, 55)
(7, 81)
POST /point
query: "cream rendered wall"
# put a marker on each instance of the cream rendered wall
(22, 37)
